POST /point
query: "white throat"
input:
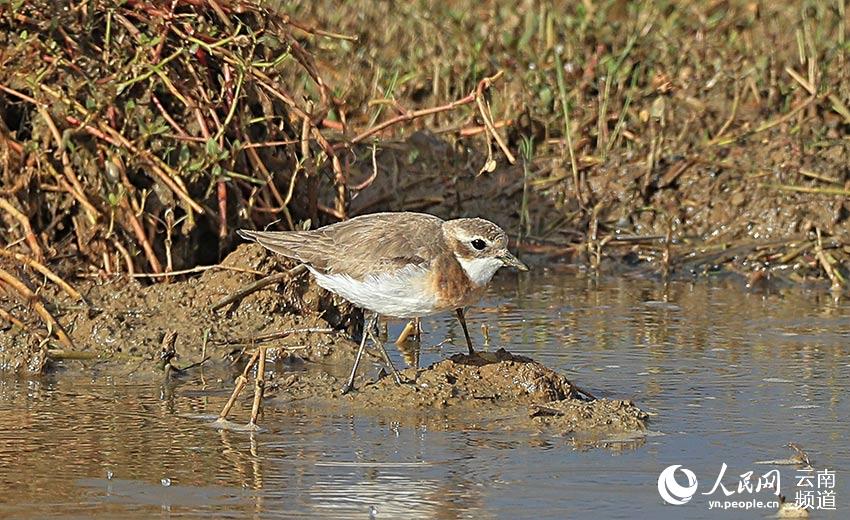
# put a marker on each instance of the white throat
(480, 270)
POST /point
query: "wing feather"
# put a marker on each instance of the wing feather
(369, 244)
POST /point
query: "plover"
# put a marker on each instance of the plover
(404, 265)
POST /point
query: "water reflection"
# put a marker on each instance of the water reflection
(733, 376)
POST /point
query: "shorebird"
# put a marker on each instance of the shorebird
(404, 265)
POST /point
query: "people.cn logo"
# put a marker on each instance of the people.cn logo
(671, 491)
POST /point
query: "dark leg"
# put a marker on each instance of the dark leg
(462, 320)
(387, 359)
(367, 331)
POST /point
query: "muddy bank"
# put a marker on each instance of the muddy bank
(135, 332)
(122, 323)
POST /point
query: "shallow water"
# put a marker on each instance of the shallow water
(732, 377)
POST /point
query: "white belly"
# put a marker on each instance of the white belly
(403, 294)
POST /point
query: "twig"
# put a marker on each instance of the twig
(834, 276)
(78, 191)
(732, 114)
(482, 85)
(484, 109)
(174, 124)
(241, 381)
(197, 269)
(365, 184)
(19, 95)
(8, 316)
(41, 268)
(256, 286)
(30, 237)
(808, 189)
(814, 175)
(34, 300)
(271, 336)
(768, 124)
(141, 236)
(469, 131)
(259, 387)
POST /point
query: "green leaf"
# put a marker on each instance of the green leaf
(212, 148)
(196, 165)
(185, 155)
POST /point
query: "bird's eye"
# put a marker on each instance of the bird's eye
(479, 244)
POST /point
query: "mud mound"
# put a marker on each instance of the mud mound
(511, 391)
(124, 322)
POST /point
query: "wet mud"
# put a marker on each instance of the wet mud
(163, 330)
(489, 389)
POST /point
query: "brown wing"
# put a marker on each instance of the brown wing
(362, 245)
(304, 246)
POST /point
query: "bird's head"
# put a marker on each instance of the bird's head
(480, 247)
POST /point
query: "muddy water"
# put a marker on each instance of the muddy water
(731, 377)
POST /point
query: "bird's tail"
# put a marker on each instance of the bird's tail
(299, 245)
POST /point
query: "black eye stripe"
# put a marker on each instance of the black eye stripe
(479, 244)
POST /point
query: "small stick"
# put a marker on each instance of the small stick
(271, 336)
(197, 269)
(31, 239)
(484, 109)
(221, 193)
(41, 268)
(141, 236)
(241, 381)
(471, 98)
(809, 189)
(126, 254)
(78, 191)
(814, 175)
(34, 300)
(834, 276)
(8, 316)
(259, 387)
(19, 95)
(256, 286)
(665, 257)
(469, 131)
(583, 391)
(174, 124)
(204, 345)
